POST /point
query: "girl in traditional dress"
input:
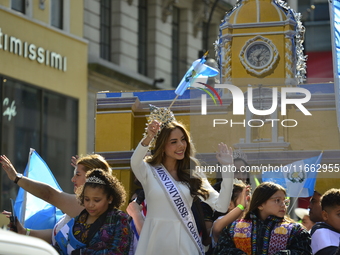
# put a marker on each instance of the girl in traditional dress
(265, 229)
(100, 228)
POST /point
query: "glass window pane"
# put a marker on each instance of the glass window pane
(105, 25)
(175, 47)
(142, 37)
(18, 5)
(39, 119)
(57, 13)
(20, 130)
(60, 136)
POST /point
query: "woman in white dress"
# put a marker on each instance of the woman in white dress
(164, 231)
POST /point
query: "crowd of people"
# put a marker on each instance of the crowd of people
(177, 210)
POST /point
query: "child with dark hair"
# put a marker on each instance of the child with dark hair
(100, 228)
(216, 221)
(265, 228)
(238, 203)
(326, 235)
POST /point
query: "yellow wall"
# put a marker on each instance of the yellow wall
(126, 177)
(42, 15)
(77, 21)
(72, 82)
(206, 137)
(114, 131)
(5, 3)
(316, 132)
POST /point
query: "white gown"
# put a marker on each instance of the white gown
(163, 233)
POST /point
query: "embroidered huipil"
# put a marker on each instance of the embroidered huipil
(113, 237)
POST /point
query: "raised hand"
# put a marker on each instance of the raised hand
(74, 160)
(244, 197)
(153, 128)
(8, 167)
(224, 154)
(151, 132)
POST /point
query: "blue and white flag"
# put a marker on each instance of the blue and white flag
(31, 211)
(334, 11)
(298, 178)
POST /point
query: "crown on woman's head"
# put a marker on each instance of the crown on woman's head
(162, 115)
(94, 179)
(237, 181)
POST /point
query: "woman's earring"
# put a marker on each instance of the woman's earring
(110, 202)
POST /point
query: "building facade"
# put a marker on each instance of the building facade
(139, 45)
(43, 86)
(265, 142)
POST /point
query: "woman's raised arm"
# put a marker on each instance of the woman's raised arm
(64, 201)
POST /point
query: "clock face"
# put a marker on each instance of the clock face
(258, 55)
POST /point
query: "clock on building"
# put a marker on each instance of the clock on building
(258, 55)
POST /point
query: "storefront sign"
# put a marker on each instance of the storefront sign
(33, 52)
(10, 110)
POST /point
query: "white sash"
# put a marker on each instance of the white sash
(179, 204)
(323, 238)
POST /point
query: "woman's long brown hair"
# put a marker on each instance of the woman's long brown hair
(183, 166)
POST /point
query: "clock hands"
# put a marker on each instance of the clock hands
(258, 55)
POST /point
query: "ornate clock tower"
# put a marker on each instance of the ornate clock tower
(260, 46)
(260, 42)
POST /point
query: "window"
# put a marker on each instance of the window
(105, 26)
(39, 119)
(142, 37)
(18, 5)
(314, 11)
(175, 47)
(57, 13)
(316, 19)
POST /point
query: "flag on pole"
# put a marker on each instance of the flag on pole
(298, 178)
(196, 70)
(334, 11)
(31, 211)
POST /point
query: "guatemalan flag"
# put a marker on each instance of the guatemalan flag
(31, 211)
(298, 178)
(334, 11)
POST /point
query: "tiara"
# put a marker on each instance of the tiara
(162, 115)
(239, 154)
(237, 181)
(94, 179)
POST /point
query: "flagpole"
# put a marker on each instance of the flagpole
(173, 101)
(318, 159)
(290, 210)
(23, 207)
(334, 10)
